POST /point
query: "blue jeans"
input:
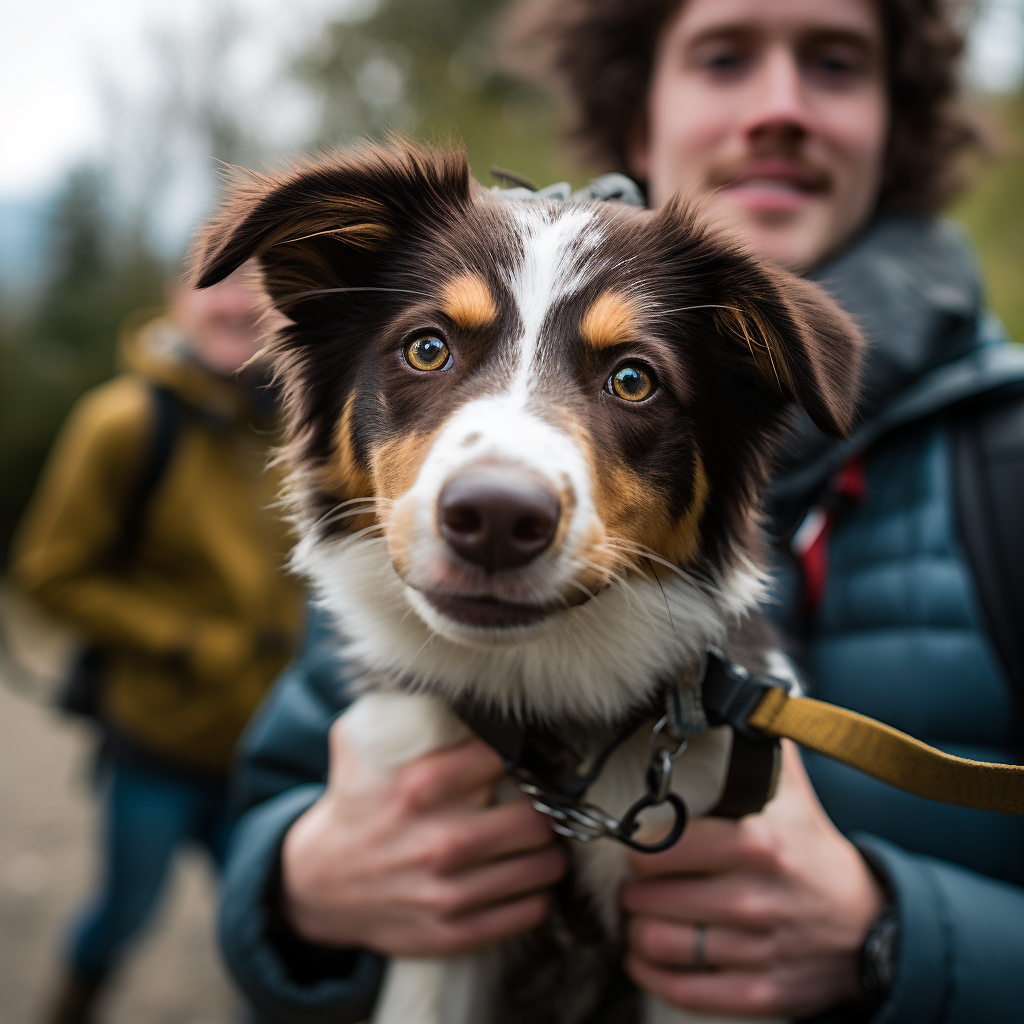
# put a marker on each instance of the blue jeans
(149, 812)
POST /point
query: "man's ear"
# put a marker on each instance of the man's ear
(327, 224)
(799, 342)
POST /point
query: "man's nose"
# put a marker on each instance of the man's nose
(497, 518)
(781, 104)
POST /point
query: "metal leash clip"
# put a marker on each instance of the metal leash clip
(577, 821)
(585, 822)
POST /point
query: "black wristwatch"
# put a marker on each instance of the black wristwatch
(879, 960)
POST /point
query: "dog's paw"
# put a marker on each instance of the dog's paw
(388, 730)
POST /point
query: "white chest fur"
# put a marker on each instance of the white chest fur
(388, 730)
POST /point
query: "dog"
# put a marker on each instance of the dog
(527, 444)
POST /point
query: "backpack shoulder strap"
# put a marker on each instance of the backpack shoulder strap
(164, 430)
(80, 693)
(989, 461)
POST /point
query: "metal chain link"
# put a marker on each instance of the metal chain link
(586, 822)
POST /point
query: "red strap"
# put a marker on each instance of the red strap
(850, 482)
(810, 542)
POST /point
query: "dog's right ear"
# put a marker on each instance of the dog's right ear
(327, 224)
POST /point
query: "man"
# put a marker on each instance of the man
(179, 593)
(813, 129)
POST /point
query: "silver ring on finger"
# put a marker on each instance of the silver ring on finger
(700, 947)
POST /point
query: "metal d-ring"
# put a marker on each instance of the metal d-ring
(628, 824)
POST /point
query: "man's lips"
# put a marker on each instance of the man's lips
(487, 612)
(773, 185)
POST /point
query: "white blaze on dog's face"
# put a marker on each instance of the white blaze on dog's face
(535, 431)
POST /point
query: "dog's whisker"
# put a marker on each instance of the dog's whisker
(664, 596)
(368, 498)
(369, 529)
(332, 511)
(626, 558)
(637, 549)
(331, 291)
(687, 309)
(612, 577)
(581, 588)
(338, 516)
(432, 636)
(370, 506)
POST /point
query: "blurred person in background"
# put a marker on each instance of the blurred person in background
(152, 532)
(826, 134)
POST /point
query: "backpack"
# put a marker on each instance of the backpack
(82, 689)
(989, 472)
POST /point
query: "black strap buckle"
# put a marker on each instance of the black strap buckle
(730, 694)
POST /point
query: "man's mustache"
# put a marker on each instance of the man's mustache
(802, 173)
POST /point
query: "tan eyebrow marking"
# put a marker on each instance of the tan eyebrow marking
(468, 301)
(611, 320)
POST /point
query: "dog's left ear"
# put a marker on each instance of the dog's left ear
(800, 343)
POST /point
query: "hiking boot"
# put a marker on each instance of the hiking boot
(75, 1000)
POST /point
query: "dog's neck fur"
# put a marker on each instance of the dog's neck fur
(600, 660)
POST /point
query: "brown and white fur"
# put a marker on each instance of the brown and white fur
(654, 549)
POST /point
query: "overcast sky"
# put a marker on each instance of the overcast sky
(53, 54)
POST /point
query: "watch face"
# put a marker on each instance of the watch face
(879, 957)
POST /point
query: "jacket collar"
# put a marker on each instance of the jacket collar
(912, 284)
(153, 346)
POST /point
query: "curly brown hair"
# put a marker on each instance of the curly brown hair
(601, 53)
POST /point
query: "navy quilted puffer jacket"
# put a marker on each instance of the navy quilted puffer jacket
(899, 632)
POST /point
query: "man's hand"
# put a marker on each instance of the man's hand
(422, 864)
(786, 902)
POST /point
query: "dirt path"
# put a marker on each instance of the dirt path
(46, 861)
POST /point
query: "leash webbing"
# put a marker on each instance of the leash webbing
(889, 755)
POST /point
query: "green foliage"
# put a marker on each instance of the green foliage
(429, 70)
(993, 214)
(64, 343)
(102, 261)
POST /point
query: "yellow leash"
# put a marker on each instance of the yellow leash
(888, 754)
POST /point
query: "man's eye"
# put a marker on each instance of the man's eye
(633, 382)
(428, 353)
(837, 65)
(721, 59)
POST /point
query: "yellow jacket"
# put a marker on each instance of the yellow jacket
(201, 620)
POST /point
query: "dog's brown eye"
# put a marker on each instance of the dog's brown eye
(427, 353)
(631, 382)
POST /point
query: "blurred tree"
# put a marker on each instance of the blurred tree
(114, 238)
(97, 272)
(993, 213)
(428, 69)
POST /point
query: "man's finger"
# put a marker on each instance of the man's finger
(680, 946)
(734, 900)
(466, 771)
(466, 839)
(500, 881)
(450, 776)
(739, 992)
(492, 923)
(708, 845)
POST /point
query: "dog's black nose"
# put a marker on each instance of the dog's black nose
(498, 518)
